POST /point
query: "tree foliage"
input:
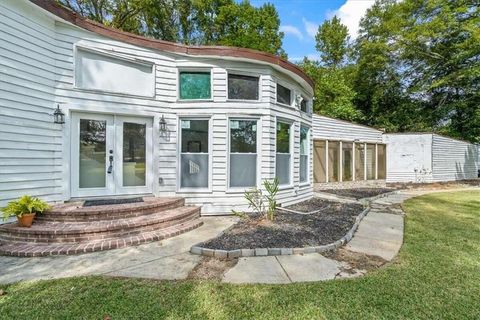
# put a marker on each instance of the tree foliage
(197, 22)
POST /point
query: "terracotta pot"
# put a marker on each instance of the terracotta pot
(26, 220)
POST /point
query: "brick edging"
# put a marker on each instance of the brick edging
(198, 248)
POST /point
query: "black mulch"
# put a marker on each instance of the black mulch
(290, 230)
(358, 193)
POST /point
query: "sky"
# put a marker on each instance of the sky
(300, 20)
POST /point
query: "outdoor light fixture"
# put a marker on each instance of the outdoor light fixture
(298, 100)
(58, 116)
(163, 124)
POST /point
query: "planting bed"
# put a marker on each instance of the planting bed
(359, 193)
(330, 222)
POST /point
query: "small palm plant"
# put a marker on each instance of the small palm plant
(24, 209)
(260, 203)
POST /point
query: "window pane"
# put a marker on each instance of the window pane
(284, 95)
(304, 105)
(92, 153)
(243, 170)
(282, 171)
(134, 160)
(333, 161)
(243, 136)
(194, 172)
(242, 87)
(382, 161)
(359, 161)
(319, 161)
(371, 161)
(283, 137)
(195, 85)
(347, 154)
(304, 153)
(194, 136)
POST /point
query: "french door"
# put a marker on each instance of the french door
(111, 155)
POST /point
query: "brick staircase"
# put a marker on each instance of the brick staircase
(71, 228)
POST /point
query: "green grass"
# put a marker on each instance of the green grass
(436, 275)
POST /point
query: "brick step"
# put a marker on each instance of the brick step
(75, 212)
(69, 232)
(28, 249)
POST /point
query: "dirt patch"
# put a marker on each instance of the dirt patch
(210, 268)
(355, 260)
(358, 193)
(437, 185)
(311, 205)
(290, 230)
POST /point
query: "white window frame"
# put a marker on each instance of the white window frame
(258, 167)
(248, 74)
(309, 150)
(179, 153)
(114, 55)
(290, 149)
(194, 69)
(292, 94)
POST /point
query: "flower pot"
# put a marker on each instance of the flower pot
(26, 220)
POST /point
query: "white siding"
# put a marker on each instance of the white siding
(453, 159)
(30, 144)
(333, 129)
(409, 157)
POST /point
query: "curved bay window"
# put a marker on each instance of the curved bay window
(283, 156)
(194, 156)
(304, 152)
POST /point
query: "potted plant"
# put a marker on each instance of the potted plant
(24, 209)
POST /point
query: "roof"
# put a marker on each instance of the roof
(222, 51)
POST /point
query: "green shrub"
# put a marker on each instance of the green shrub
(24, 205)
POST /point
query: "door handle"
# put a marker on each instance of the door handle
(110, 167)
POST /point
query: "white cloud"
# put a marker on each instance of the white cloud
(350, 14)
(310, 27)
(312, 56)
(287, 29)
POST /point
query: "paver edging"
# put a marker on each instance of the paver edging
(198, 248)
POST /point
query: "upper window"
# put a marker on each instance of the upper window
(242, 87)
(195, 85)
(243, 153)
(284, 95)
(304, 105)
(111, 73)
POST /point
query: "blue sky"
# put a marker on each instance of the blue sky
(300, 20)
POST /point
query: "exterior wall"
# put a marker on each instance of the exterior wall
(30, 144)
(38, 71)
(409, 157)
(454, 159)
(333, 129)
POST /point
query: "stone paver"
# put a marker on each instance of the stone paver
(257, 270)
(149, 260)
(309, 267)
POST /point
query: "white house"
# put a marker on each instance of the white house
(144, 117)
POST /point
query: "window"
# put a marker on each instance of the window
(359, 161)
(282, 170)
(333, 161)
(304, 151)
(382, 161)
(284, 95)
(110, 73)
(194, 153)
(347, 161)
(243, 153)
(371, 161)
(195, 85)
(242, 87)
(320, 161)
(304, 105)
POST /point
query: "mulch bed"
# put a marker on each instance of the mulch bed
(290, 230)
(358, 193)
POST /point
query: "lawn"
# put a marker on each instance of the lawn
(436, 275)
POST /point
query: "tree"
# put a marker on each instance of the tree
(332, 42)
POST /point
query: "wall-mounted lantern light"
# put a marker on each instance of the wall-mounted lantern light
(163, 124)
(298, 100)
(58, 116)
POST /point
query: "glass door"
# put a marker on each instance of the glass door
(111, 155)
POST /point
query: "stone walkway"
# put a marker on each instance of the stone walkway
(380, 234)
